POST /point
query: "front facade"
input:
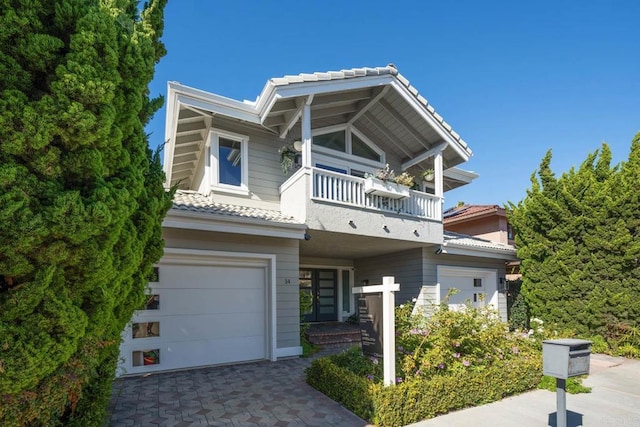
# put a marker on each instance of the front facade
(274, 199)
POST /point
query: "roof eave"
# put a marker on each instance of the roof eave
(203, 221)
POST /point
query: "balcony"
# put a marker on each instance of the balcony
(332, 201)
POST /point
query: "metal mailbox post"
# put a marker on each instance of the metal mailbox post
(562, 359)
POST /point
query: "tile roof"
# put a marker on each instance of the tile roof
(476, 242)
(196, 202)
(366, 72)
(470, 210)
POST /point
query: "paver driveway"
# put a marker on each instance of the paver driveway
(252, 394)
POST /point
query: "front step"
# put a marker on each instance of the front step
(333, 333)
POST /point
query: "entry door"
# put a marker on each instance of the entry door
(322, 285)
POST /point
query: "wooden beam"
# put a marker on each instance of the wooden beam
(284, 105)
(334, 111)
(385, 133)
(295, 116)
(424, 155)
(403, 122)
(364, 106)
(355, 95)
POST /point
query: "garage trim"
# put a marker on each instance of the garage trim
(200, 257)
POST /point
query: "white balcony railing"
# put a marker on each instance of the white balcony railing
(345, 189)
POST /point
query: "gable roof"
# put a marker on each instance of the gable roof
(379, 102)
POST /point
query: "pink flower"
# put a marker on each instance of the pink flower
(515, 350)
(370, 377)
(440, 365)
(457, 355)
(466, 363)
(398, 380)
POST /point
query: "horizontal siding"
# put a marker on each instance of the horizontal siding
(405, 266)
(287, 269)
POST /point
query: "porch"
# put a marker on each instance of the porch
(333, 333)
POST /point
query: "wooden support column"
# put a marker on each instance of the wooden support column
(439, 174)
(306, 133)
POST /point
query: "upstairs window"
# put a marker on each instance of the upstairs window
(361, 149)
(334, 141)
(229, 170)
(349, 141)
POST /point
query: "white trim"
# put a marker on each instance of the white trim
(347, 156)
(272, 92)
(213, 142)
(203, 221)
(433, 123)
(460, 174)
(288, 352)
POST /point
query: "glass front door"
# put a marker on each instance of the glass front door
(322, 286)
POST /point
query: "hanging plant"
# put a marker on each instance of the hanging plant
(287, 157)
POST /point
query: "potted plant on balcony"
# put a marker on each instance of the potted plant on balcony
(427, 175)
(384, 182)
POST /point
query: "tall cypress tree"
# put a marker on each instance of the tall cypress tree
(81, 198)
(578, 239)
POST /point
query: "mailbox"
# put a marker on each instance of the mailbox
(564, 358)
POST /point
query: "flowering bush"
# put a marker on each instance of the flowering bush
(455, 341)
(451, 360)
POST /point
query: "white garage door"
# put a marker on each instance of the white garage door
(473, 286)
(199, 315)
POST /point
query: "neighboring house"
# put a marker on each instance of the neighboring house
(483, 221)
(243, 238)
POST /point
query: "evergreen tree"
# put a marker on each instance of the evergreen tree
(578, 239)
(81, 199)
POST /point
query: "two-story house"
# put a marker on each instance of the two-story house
(245, 237)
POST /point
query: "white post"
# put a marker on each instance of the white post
(388, 331)
(306, 133)
(438, 182)
(387, 289)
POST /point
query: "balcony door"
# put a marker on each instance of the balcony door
(322, 285)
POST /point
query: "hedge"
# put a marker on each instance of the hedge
(421, 398)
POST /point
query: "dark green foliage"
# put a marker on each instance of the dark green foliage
(579, 240)
(341, 384)
(518, 310)
(81, 199)
(420, 397)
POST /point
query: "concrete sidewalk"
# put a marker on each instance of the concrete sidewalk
(613, 401)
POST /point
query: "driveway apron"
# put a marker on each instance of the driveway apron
(252, 394)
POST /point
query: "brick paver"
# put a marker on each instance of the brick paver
(252, 394)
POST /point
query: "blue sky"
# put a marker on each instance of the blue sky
(514, 79)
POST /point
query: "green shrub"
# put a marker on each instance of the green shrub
(452, 360)
(420, 397)
(517, 308)
(341, 384)
(573, 385)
